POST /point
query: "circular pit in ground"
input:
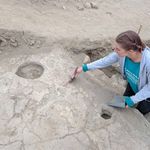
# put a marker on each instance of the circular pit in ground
(30, 70)
(106, 114)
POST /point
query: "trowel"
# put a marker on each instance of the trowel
(118, 101)
(73, 76)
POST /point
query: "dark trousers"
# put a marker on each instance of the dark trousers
(143, 106)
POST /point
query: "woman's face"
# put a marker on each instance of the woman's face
(119, 50)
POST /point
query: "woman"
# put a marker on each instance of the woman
(134, 59)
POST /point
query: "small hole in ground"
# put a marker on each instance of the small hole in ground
(30, 70)
(106, 114)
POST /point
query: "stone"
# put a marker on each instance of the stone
(13, 42)
(80, 8)
(3, 42)
(94, 5)
(13, 39)
(38, 44)
(86, 59)
(64, 7)
(87, 5)
(32, 42)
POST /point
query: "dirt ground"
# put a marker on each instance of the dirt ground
(41, 42)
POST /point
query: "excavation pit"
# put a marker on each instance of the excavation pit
(30, 70)
(106, 114)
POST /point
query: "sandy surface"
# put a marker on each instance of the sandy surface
(41, 43)
(49, 18)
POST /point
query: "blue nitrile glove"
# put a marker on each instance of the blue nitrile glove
(128, 101)
(84, 67)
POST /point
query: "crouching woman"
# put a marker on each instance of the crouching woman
(134, 59)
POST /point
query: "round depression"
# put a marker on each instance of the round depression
(30, 70)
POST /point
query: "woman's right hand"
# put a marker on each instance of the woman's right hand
(77, 72)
